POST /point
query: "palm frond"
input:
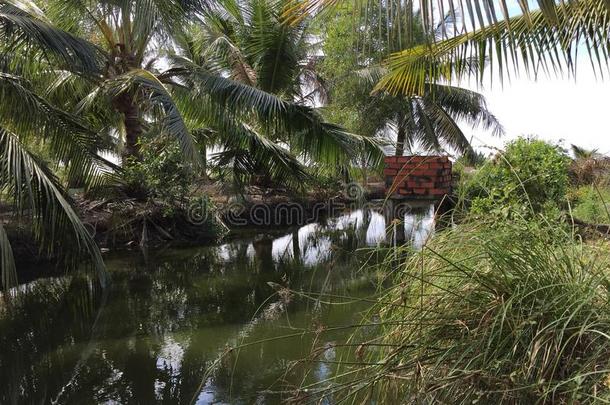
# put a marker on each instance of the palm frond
(158, 95)
(71, 142)
(309, 134)
(466, 105)
(249, 154)
(273, 45)
(31, 36)
(37, 194)
(533, 42)
(444, 127)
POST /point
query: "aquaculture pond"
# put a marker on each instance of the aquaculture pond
(230, 323)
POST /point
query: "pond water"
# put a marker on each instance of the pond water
(231, 323)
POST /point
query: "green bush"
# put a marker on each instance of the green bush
(591, 204)
(530, 176)
(162, 174)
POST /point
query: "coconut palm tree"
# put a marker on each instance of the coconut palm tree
(257, 50)
(255, 45)
(428, 121)
(79, 73)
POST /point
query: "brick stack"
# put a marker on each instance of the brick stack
(417, 176)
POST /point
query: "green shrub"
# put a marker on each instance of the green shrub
(530, 176)
(518, 313)
(162, 174)
(591, 204)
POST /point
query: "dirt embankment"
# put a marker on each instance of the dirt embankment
(128, 223)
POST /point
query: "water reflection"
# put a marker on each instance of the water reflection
(168, 318)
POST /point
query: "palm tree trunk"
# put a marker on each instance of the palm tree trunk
(400, 140)
(127, 105)
(204, 160)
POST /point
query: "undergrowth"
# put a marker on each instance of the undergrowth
(519, 313)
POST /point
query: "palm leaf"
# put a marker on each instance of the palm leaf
(71, 142)
(443, 126)
(217, 98)
(543, 40)
(37, 194)
(465, 105)
(159, 96)
(250, 153)
(28, 35)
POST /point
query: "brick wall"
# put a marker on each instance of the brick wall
(417, 176)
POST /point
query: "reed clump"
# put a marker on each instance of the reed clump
(513, 312)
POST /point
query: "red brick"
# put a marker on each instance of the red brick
(390, 172)
(425, 184)
(420, 191)
(396, 182)
(389, 159)
(402, 176)
(421, 179)
(405, 171)
(411, 158)
(436, 165)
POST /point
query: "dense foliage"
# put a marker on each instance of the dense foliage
(89, 78)
(591, 203)
(528, 177)
(353, 64)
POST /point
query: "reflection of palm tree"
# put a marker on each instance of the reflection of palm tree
(296, 247)
(363, 227)
(140, 368)
(263, 253)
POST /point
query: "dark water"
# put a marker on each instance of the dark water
(235, 323)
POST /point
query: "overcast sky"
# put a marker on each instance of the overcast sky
(576, 111)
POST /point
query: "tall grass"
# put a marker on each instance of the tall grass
(514, 312)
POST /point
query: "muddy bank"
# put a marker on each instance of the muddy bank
(214, 215)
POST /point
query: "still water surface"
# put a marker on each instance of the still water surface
(168, 328)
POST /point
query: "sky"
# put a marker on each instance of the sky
(568, 110)
(571, 110)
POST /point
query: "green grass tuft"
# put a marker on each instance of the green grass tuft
(515, 312)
